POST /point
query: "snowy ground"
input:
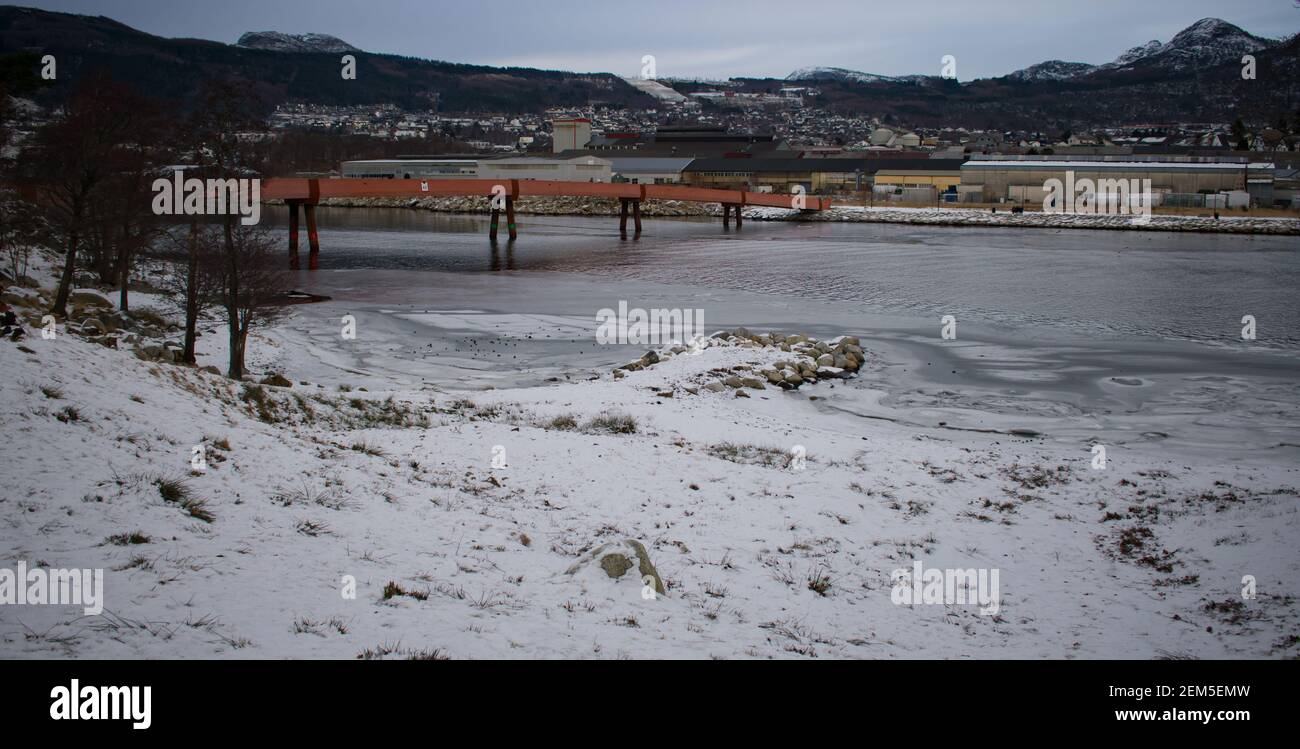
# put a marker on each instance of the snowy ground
(308, 485)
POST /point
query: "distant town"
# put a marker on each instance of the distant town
(1194, 165)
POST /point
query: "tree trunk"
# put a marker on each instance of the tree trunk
(236, 369)
(192, 296)
(60, 308)
(124, 273)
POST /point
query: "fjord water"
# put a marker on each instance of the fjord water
(1064, 332)
(1140, 283)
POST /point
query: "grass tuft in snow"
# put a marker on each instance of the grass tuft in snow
(384, 650)
(770, 457)
(312, 528)
(393, 590)
(309, 494)
(611, 422)
(562, 423)
(128, 539)
(178, 491)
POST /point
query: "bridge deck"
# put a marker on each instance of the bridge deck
(313, 190)
(307, 194)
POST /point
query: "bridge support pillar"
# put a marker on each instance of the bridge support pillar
(622, 218)
(511, 227)
(636, 216)
(739, 220)
(313, 239)
(496, 221)
(293, 235)
(726, 216)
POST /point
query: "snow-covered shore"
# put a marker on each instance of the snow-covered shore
(945, 216)
(459, 517)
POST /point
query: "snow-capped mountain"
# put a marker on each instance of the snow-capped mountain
(853, 76)
(280, 42)
(1053, 70)
(1134, 54)
(836, 74)
(1208, 42)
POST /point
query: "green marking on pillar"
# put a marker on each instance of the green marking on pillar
(511, 227)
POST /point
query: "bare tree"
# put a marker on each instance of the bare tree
(21, 228)
(220, 129)
(196, 280)
(74, 160)
(253, 296)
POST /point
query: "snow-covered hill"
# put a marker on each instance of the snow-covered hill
(280, 42)
(853, 76)
(1053, 70)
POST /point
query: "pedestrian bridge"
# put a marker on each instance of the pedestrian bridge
(501, 196)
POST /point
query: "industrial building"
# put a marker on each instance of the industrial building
(570, 133)
(1178, 180)
(580, 168)
(411, 168)
(825, 176)
(649, 170)
(573, 169)
(695, 141)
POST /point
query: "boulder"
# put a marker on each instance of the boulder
(20, 296)
(617, 558)
(89, 298)
(151, 352)
(91, 326)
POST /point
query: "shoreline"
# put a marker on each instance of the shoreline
(957, 217)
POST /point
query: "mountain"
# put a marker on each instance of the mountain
(1134, 54)
(1194, 77)
(1209, 41)
(1052, 70)
(282, 68)
(852, 76)
(837, 74)
(280, 42)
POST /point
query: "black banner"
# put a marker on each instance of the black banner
(189, 699)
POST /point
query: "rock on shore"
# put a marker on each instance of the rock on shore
(808, 361)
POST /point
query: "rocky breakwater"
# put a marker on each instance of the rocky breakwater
(1038, 219)
(785, 361)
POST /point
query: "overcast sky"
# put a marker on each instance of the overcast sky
(712, 38)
